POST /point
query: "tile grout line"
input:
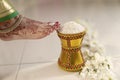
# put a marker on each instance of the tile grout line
(20, 63)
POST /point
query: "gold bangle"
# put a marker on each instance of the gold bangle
(14, 26)
(6, 9)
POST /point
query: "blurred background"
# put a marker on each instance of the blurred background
(103, 15)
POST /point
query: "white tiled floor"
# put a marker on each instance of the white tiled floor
(104, 15)
(10, 52)
(6, 71)
(46, 71)
(47, 49)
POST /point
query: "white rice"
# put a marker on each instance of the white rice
(72, 28)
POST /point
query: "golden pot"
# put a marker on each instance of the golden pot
(71, 58)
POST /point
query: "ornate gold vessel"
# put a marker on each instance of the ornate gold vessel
(71, 58)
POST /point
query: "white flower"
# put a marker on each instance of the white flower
(97, 66)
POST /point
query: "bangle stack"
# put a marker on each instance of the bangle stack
(14, 26)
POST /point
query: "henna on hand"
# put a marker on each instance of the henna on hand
(28, 29)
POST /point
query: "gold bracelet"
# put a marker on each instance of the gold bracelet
(14, 26)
